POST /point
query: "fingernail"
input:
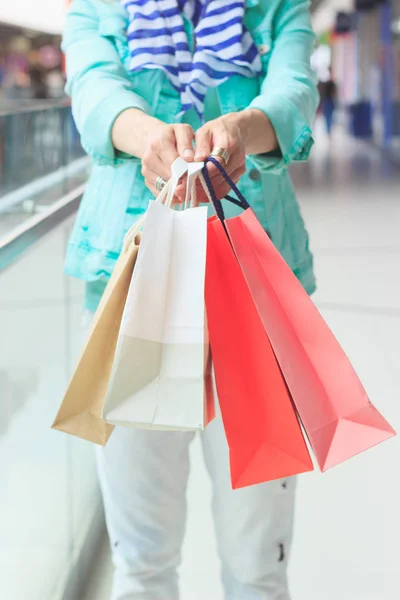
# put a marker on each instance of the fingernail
(188, 154)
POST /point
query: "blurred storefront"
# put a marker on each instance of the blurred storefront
(395, 36)
(30, 65)
(364, 41)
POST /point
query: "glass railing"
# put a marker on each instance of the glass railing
(50, 509)
(49, 501)
(41, 158)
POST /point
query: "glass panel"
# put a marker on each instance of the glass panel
(40, 160)
(49, 486)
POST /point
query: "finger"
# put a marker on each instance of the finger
(203, 141)
(222, 190)
(168, 155)
(153, 167)
(238, 173)
(165, 149)
(237, 160)
(164, 146)
(152, 188)
(235, 174)
(184, 141)
(222, 139)
(150, 185)
(180, 192)
(221, 187)
(151, 177)
(236, 163)
(218, 181)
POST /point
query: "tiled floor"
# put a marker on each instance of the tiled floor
(48, 487)
(348, 520)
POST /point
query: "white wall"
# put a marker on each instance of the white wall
(43, 15)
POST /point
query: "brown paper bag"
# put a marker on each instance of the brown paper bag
(80, 411)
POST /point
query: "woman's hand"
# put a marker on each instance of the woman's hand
(224, 132)
(246, 132)
(164, 145)
(156, 143)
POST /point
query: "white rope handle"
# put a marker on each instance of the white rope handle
(205, 188)
(166, 196)
(178, 168)
(194, 171)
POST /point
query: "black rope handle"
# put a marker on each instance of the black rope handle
(240, 201)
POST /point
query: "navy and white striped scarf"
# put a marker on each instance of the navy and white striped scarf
(223, 46)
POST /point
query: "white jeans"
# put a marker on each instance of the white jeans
(143, 477)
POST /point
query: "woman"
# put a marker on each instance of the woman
(328, 94)
(151, 80)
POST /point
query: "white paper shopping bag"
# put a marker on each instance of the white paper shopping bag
(162, 358)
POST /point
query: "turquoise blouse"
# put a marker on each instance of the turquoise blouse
(101, 87)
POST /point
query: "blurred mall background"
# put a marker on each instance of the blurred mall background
(52, 534)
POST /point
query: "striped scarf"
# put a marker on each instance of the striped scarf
(223, 46)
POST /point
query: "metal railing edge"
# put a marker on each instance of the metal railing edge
(32, 106)
(20, 239)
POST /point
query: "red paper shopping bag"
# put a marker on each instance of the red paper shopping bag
(264, 436)
(333, 406)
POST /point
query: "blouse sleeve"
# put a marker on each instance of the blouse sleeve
(289, 94)
(97, 82)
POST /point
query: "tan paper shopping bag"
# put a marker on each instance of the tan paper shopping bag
(80, 411)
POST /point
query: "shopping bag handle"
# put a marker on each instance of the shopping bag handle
(240, 201)
(178, 168)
